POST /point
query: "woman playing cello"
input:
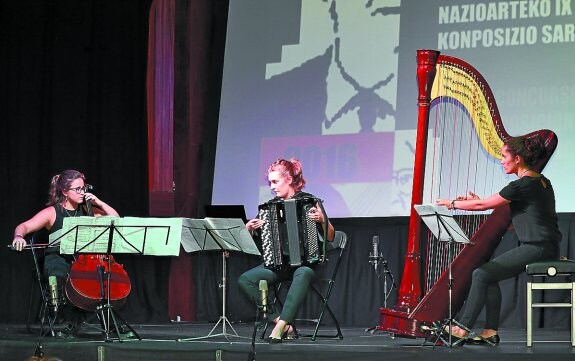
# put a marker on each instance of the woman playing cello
(69, 196)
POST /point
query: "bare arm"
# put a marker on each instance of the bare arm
(317, 215)
(43, 219)
(473, 203)
(330, 232)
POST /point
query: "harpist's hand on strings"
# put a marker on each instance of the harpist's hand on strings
(254, 224)
(443, 202)
(470, 195)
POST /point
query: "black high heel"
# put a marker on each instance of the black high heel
(479, 340)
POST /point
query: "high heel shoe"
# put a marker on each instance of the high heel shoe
(455, 341)
(274, 340)
(286, 335)
(289, 333)
(479, 340)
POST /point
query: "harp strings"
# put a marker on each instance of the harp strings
(457, 160)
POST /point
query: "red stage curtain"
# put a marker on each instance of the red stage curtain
(162, 185)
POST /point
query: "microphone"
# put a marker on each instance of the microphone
(375, 256)
(53, 286)
(264, 292)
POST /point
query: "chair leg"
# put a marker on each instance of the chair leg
(325, 307)
(529, 315)
(38, 313)
(339, 334)
(572, 314)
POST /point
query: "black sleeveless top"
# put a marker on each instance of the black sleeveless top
(62, 213)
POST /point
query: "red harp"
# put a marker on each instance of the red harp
(458, 146)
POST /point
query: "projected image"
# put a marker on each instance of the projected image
(329, 101)
(333, 84)
(362, 38)
(357, 96)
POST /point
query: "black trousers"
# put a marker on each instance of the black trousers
(59, 266)
(485, 290)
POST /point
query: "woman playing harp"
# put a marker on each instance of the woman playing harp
(460, 136)
(532, 202)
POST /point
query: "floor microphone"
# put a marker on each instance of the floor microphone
(264, 292)
(53, 287)
(375, 256)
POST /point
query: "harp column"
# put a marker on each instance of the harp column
(410, 290)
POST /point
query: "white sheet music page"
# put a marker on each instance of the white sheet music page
(147, 236)
(441, 223)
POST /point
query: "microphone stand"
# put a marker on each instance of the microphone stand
(258, 325)
(386, 273)
(376, 259)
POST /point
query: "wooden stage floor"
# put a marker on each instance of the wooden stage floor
(164, 342)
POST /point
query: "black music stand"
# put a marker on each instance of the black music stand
(441, 223)
(107, 235)
(218, 234)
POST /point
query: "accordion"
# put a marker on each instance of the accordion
(289, 238)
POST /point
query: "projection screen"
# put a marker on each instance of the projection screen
(332, 83)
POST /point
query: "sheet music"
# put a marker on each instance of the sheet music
(195, 238)
(210, 234)
(156, 236)
(152, 236)
(444, 229)
(240, 237)
(149, 236)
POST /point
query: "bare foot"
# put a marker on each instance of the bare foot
(456, 331)
(278, 329)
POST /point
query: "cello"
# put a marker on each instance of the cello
(95, 279)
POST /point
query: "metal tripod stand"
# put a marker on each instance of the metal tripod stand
(223, 320)
(439, 328)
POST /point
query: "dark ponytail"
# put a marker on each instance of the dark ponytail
(531, 149)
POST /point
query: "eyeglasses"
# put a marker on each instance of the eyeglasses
(78, 189)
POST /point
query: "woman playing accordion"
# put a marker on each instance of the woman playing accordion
(286, 182)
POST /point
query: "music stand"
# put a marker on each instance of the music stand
(218, 234)
(441, 223)
(107, 235)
